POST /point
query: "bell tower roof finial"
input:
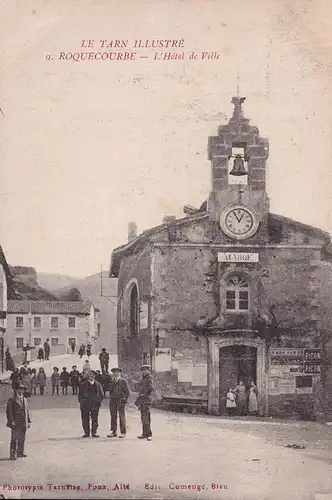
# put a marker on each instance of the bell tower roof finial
(238, 100)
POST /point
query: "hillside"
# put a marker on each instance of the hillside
(90, 289)
(25, 285)
(55, 282)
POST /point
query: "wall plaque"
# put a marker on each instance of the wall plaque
(238, 257)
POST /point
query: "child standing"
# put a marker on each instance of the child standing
(64, 380)
(55, 379)
(231, 402)
(34, 381)
(74, 378)
(18, 420)
(41, 380)
(26, 381)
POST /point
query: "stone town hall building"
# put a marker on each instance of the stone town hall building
(228, 292)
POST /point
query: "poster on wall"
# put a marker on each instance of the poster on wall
(200, 374)
(286, 356)
(185, 370)
(282, 385)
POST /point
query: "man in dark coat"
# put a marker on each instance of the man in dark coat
(47, 349)
(118, 396)
(104, 359)
(90, 397)
(144, 401)
(18, 420)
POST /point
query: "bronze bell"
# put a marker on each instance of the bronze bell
(238, 167)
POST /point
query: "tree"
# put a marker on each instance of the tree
(74, 295)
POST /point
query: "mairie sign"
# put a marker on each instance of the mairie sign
(238, 257)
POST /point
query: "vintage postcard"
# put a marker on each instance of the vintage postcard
(165, 249)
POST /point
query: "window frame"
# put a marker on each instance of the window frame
(134, 312)
(236, 290)
(72, 318)
(18, 347)
(33, 324)
(52, 344)
(19, 327)
(54, 327)
(37, 345)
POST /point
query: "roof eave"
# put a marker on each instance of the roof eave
(120, 252)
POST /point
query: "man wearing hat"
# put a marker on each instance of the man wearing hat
(144, 401)
(90, 397)
(118, 396)
(18, 420)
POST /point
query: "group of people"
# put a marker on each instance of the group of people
(29, 379)
(90, 386)
(242, 399)
(84, 350)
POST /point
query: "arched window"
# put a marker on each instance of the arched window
(237, 294)
(134, 311)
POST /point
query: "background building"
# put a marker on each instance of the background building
(229, 292)
(59, 321)
(5, 284)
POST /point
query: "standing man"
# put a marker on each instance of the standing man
(18, 420)
(90, 397)
(118, 396)
(73, 345)
(88, 350)
(104, 359)
(47, 349)
(144, 401)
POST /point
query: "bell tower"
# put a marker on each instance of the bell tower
(238, 155)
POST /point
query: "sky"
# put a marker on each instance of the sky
(88, 146)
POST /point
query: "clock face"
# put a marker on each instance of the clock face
(239, 221)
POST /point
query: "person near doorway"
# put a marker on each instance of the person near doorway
(144, 401)
(118, 396)
(88, 349)
(241, 398)
(73, 346)
(90, 397)
(47, 349)
(81, 350)
(252, 399)
(10, 366)
(18, 420)
(231, 402)
(104, 359)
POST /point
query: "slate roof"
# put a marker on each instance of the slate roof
(49, 307)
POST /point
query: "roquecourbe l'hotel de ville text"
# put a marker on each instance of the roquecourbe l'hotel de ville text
(230, 291)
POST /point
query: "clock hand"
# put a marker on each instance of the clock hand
(239, 220)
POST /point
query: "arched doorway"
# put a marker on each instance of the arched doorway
(231, 358)
(236, 362)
